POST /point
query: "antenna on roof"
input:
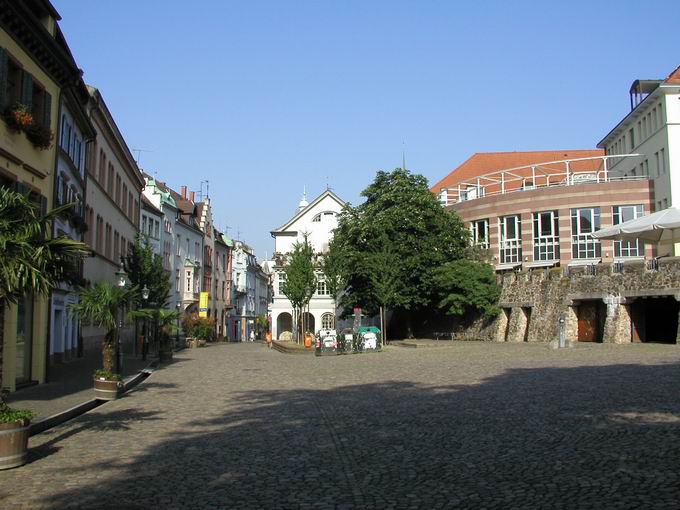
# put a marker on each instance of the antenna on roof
(139, 154)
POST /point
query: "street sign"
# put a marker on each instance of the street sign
(203, 305)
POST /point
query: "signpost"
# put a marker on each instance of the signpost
(203, 305)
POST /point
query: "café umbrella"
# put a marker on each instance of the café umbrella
(659, 227)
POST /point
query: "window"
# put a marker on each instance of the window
(546, 236)
(631, 138)
(14, 78)
(584, 222)
(328, 321)
(324, 215)
(623, 213)
(511, 240)
(321, 289)
(116, 245)
(110, 181)
(282, 283)
(118, 183)
(130, 208)
(188, 288)
(662, 156)
(480, 233)
(100, 235)
(108, 241)
(157, 229)
(102, 168)
(197, 251)
(179, 245)
(143, 224)
(125, 198)
(178, 281)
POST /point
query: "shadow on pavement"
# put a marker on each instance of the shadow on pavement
(595, 436)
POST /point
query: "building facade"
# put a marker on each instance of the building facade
(314, 221)
(35, 64)
(75, 132)
(222, 290)
(112, 205)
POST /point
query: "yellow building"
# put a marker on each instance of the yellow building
(35, 64)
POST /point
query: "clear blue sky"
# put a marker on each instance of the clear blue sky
(262, 98)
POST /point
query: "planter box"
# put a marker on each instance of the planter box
(13, 444)
(107, 390)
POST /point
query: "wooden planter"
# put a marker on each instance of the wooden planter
(13, 444)
(107, 390)
(165, 355)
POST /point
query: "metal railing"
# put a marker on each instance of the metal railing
(567, 172)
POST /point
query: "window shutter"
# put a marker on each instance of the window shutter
(27, 90)
(47, 110)
(3, 79)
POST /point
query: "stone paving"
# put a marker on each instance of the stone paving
(473, 425)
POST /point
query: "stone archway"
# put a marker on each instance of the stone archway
(284, 324)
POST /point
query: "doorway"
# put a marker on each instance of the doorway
(591, 316)
(655, 320)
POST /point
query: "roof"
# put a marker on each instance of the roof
(299, 214)
(482, 163)
(674, 77)
(146, 204)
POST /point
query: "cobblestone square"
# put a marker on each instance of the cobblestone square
(473, 425)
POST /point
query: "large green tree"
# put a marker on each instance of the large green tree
(400, 221)
(300, 280)
(468, 287)
(333, 271)
(31, 261)
(145, 268)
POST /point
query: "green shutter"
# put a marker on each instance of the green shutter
(4, 69)
(47, 110)
(27, 89)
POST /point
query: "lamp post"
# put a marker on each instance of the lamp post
(179, 307)
(145, 330)
(121, 280)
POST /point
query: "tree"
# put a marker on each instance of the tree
(99, 305)
(145, 268)
(418, 234)
(384, 273)
(31, 261)
(468, 286)
(300, 280)
(333, 270)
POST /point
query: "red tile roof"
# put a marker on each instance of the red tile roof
(674, 77)
(482, 163)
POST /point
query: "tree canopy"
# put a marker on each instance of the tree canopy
(402, 232)
(145, 268)
(300, 277)
(468, 286)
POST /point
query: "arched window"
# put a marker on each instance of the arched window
(328, 321)
(325, 215)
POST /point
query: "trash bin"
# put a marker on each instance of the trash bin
(346, 341)
(326, 342)
(370, 339)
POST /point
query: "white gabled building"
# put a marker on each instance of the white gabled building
(316, 221)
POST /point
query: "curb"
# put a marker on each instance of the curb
(64, 416)
(287, 350)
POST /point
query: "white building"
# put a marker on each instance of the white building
(652, 130)
(315, 221)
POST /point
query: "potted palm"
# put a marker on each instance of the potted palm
(13, 436)
(164, 321)
(100, 305)
(32, 262)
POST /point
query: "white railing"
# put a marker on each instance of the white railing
(567, 172)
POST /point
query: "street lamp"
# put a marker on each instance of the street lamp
(121, 280)
(145, 340)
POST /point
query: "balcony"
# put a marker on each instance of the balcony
(571, 172)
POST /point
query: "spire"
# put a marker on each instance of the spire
(303, 203)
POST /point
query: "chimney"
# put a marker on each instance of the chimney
(192, 195)
(184, 192)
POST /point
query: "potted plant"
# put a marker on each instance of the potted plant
(100, 305)
(13, 435)
(40, 136)
(165, 323)
(18, 117)
(198, 329)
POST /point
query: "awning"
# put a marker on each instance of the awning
(541, 263)
(505, 267)
(658, 227)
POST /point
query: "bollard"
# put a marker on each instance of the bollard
(563, 334)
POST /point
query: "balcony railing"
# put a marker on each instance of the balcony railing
(568, 172)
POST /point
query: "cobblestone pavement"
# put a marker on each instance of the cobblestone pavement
(473, 425)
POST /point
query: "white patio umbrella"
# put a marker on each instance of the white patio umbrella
(659, 227)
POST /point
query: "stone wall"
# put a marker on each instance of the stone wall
(538, 299)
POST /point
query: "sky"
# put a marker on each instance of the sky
(262, 98)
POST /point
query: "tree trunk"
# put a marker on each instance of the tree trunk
(383, 329)
(2, 343)
(109, 351)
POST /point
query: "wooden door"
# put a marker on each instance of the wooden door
(588, 322)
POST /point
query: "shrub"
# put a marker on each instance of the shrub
(9, 415)
(198, 327)
(107, 374)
